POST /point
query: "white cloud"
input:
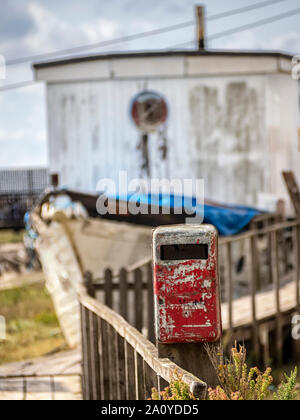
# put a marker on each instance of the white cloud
(289, 42)
(23, 127)
(51, 33)
(35, 29)
(22, 112)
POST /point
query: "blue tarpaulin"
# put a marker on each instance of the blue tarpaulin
(228, 219)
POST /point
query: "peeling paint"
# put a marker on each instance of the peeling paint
(227, 123)
(187, 298)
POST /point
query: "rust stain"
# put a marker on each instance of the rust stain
(187, 292)
(143, 148)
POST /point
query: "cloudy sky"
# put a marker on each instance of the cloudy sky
(33, 27)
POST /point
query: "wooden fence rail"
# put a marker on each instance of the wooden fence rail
(269, 268)
(119, 363)
(129, 293)
(259, 261)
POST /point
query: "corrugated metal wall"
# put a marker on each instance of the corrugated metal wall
(23, 181)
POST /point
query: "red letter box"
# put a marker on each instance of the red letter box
(186, 284)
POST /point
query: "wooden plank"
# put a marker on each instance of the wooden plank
(256, 262)
(95, 359)
(130, 372)
(269, 259)
(139, 376)
(113, 365)
(66, 363)
(86, 384)
(150, 301)
(296, 263)
(108, 288)
(276, 280)
(88, 283)
(100, 352)
(147, 350)
(242, 311)
(116, 286)
(150, 380)
(194, 358)
(293, 190)
(123, 294)
(104, 359)
(272, 228)
(43, 388)
(229, 289)
(253, 282)
(138, 298)
(121, 368)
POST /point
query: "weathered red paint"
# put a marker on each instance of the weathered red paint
(187, 295)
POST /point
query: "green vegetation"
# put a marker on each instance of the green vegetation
(177, 391)
(32, 328)
(286, 391)
(237, 382)
(10, 236)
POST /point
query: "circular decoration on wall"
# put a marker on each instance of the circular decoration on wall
(149, 110)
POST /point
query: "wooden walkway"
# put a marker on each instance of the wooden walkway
(56, 377)
(265, 307)
(13, 281)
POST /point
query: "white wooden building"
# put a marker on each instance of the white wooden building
(228, 117)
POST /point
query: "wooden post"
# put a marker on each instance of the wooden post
(87, 367)
(229, 291)
(296, 263)
(123, 304)
(54, 180)
(138, 298)
(151, 333)
(253, 282)
(95, 359)
(88, 282)
(108, 288)
(187, 298)
(194, 358)
(130, 372)
(200, 16)
(293, 190)
(276, 280)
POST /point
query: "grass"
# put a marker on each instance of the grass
(32, 328)
(10, 236)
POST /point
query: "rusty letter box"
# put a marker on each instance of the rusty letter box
(186, 284)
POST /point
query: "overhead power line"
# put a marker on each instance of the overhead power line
(102, 43)
(212, 37)
(254, 24)
(254, 6)
(139, 35)
(244, 27)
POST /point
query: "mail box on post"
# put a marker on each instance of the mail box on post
(186, 284)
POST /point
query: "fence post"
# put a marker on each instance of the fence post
(88, 283)
(187, 298)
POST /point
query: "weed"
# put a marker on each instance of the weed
(286, 391)
(177, 390)
(237, 381)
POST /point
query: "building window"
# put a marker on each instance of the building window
(149, 110)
